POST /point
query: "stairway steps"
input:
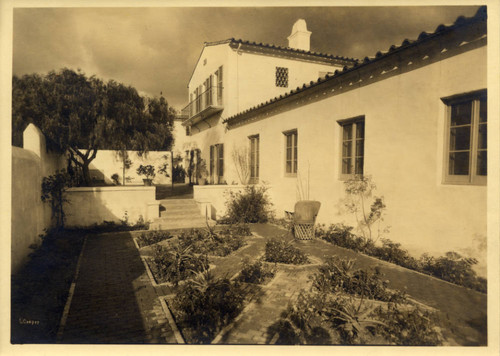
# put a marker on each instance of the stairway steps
(179, 214)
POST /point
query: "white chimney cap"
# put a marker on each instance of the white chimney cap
(300, 37)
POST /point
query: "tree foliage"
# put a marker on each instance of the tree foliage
(81, 115)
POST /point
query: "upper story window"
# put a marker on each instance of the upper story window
(353, 146)
(219, 78)
(282, 77)
(466, 138)
(291, 153)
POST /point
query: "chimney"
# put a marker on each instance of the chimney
(300, 37)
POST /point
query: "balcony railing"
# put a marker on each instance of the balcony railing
(206, 104)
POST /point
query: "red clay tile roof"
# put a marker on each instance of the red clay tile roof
(235, 42)
(480, 16)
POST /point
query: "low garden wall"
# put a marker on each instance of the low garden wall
(93, 205)
(213, 197)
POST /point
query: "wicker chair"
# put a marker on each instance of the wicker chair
(304, 217)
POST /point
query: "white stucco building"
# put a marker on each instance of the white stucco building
(413, 117)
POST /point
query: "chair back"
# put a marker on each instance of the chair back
(306, 211)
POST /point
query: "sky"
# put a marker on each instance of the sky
(155, 49)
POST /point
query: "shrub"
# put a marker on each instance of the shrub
(301, 322)
(115, 178)
(280, 251)
(146, 170)
(176, 263)
(337, 275)
(152, 237)
(205, 308)
(53, 191)
(409, 327)
(392, 252)
(453, 267)
(252, 205)
(341, 235)
(256, 272)
(216, 243)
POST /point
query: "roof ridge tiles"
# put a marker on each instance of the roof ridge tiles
(480, 15)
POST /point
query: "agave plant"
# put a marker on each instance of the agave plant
(354, 322)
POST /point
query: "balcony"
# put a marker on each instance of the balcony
(205, 105)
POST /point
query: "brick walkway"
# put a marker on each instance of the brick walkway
(114, 301)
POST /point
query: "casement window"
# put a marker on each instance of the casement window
(254, 159)
(220, 162)
(219, 78)
(291, 153)
(466, 138)
(282, 77)
(212, 164)
(353, 146)
(217, 163)
(208, 91)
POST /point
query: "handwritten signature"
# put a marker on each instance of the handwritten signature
(24, 321)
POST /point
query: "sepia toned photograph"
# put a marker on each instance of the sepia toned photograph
(250, 175)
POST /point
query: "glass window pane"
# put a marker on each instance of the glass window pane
(347, 132)
(347, 149)
(359, 148)
(360, 130)
(460, 138)
(483, 114)
(359, 166)
(289, 166)
(346, 166)
(482, 137)
(459, 163)
(482, 160)
(461, 113)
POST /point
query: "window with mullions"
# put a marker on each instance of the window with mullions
(254, 159)
(353, 147)
(466, 140)
(291, 153)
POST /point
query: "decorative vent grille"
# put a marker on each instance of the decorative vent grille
(282, 77)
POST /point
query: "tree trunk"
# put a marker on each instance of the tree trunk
(86, 174)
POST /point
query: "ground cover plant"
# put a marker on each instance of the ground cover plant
(203, 306)
(451, 267)
(252, 205)
(256, 273)
(215, 242)
(339, 275)
(176, 263)
(40, 288)
(153, 237)
(282, 251)
(347, 312)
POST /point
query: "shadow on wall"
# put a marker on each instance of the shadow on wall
(89, 206)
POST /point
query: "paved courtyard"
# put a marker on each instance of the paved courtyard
(116, 302)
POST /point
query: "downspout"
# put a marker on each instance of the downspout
(237, 77)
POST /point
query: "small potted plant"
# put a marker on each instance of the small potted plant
(149, 172)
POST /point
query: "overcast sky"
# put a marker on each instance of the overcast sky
(155, 49)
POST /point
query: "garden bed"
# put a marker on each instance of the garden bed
(203, 308)
(347, 306)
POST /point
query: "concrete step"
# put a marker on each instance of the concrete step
(186, 209)
(167, 224)
(177, 202)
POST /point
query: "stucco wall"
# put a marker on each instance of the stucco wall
(216, 195)
(404, 141)
(30, 216)
(94, 205)
(109, 163)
